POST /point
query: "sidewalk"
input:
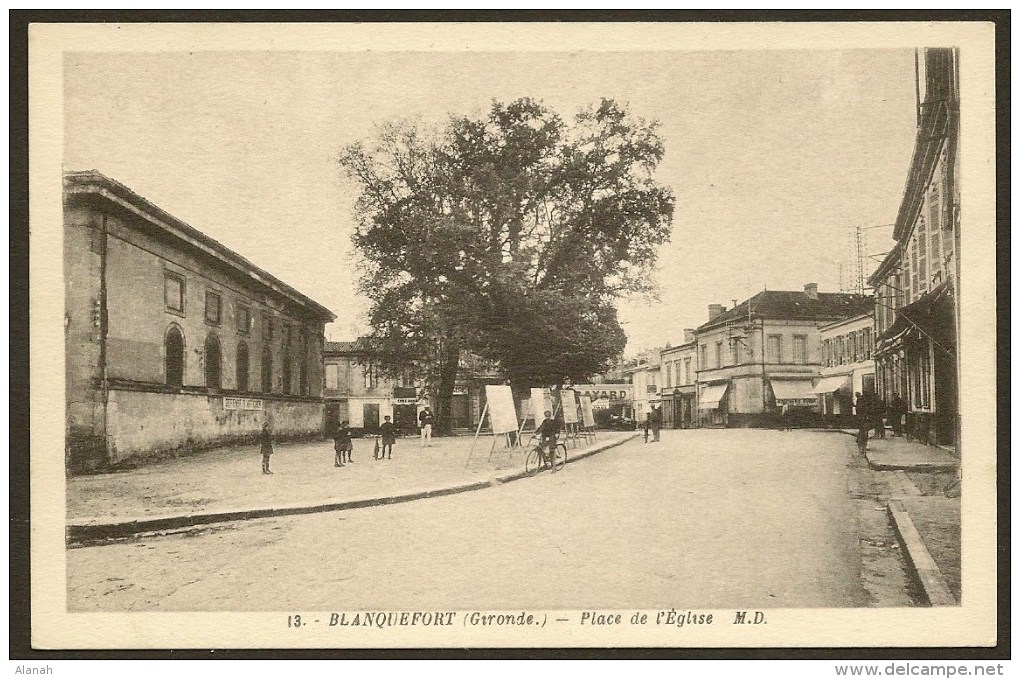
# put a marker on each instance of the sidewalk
(227, 484)
(899, 453)
(925, 519)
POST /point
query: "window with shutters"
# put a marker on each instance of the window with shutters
(922, 256)
(775, 349)
(173, 292)
(241, 368)
(935, 233)
(800, 349)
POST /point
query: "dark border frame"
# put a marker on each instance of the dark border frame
(19, 522)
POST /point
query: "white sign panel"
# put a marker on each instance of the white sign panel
(541, 401)
(502, 413)
(587, 414)
(234, 403)
(569, 401)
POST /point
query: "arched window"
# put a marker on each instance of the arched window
(267, 370)
(174, 356)
(212, 362)
(242, 366)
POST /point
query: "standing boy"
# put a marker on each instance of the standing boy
(389, 436)
(266, 441)
(342, 444)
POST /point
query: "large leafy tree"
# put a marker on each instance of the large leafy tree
(509, 235)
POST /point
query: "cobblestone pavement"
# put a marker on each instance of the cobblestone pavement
(706, 518)
(231, 478)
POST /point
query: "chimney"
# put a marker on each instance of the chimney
(714, 310)
(688, 335)
(811, 290)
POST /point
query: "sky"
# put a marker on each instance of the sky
(774, 156)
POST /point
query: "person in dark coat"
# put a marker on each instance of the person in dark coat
(656, 422)
(878, 415)
(266, 442)
(388, 433)
(342, 444)
(864, 417)
(547, 431)
(897, 410)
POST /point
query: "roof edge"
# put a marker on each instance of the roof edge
(96, 183)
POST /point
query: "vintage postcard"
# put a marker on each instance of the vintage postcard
(483, 335)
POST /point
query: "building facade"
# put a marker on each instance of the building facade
(645, 376)
(358, 391)
(848, 366)
(765, 353)
(916, 305)
(679, 373)
(173, 343)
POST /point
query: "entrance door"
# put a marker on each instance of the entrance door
(371, 420)
(332, 417)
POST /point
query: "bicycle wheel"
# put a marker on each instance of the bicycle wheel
(559, 457)
(532, 461)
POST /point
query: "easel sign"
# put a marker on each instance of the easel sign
(541, 401)
(588, 417)
(568, 399)
(499, 406)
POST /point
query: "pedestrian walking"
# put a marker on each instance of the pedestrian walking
(878, 415)
(656, 423)
(425, 421)
(342, 444)
(862, 407)
(266, 444)
(389, 436)
(647, 424)
(897, 411)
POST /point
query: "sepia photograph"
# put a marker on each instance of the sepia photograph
(479, 335)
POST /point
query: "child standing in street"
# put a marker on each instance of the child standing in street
(342, 444)
(389, 437)
(266, 441)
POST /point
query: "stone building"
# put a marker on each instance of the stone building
(848, 366)
(358, 391)
(174, 343)
(645, 375)
(916, 305)
(679, 383)
(764, 353)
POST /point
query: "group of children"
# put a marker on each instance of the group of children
(343, 443)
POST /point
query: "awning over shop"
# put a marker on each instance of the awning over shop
(711, 396)
(931, 316)
(827, 385)
(793, 391)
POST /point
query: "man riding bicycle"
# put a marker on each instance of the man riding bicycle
(547, 432)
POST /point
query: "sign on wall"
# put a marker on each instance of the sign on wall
(235, 403)
(502, 414)
(605, 395)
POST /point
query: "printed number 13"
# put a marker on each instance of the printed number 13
(293, 621)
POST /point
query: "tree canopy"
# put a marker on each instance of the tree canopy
(510, 235)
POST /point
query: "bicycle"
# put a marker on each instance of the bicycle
(535, 458)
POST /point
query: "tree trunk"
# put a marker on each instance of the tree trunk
(449, 362)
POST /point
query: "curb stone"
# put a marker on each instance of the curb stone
(919, 559)
(94, 531)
